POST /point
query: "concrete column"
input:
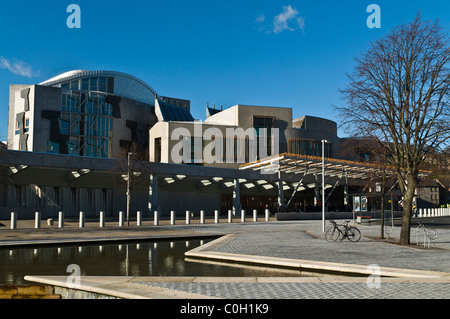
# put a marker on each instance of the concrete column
(139, 218)
(156, 218)
(230, 216)
(172, 217)
(255, 215)
(267, 213)
(13, 220)
(346, 194)
(121, 219)
(61, 219)
(237, 206)
(280, 194)
(37, 220)
(243, 216)
(316, 192)
(216, 216)
(202, 217)
(81, 219)
(102, 219)
(188, 217)
(153, 197)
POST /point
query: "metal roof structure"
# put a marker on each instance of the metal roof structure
(305, 164)
(171, 112)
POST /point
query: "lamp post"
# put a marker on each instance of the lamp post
(323, 184)
(128, 189)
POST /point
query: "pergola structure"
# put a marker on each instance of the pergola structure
(334, 170)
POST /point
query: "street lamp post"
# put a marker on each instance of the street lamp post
(323, 184)
(128, 189)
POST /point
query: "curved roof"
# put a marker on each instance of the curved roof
(75, 74)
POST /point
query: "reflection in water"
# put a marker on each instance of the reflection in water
(142, 259)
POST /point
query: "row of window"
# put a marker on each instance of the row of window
(85, 125)
(90, 146)
(27, 126)
(221, 150)
(301, 146)
(87, 84)
(94, 104)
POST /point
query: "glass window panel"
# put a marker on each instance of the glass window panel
(74, 85)
(85, 84)
(94, 84)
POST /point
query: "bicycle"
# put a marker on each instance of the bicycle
(336, 231)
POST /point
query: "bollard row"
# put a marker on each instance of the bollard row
(156, 218)
(433, 212)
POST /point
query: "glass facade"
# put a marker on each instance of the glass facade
(95, 84)
(301, 146)
(87, 119)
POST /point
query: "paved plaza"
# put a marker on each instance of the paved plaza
(414, 272)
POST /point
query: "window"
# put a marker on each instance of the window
(27, 125)
(52, 147)
(263, 125)
(17, 127)
(64, 124)
(85, 84)
(102, 84)
(157, 150)
(93, 84)
(74, 85)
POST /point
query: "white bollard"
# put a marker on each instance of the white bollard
(267, 213)
(13, 220)
(139, 218)
(37, 220)
(255, 215)
(188, 217)
(243, 216)
(216, 216)
(102, 219)
(202, 217)
(230, 216)
(121, 219)
(156, 218)
(81, 219)
(61, 219)
(420, 212)
(172, 217)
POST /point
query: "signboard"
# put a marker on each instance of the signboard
(356, 204)
(364, 203)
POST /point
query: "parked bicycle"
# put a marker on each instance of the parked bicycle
(341, 231)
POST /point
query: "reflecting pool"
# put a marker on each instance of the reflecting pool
(162, 258)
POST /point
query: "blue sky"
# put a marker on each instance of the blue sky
(287, 53)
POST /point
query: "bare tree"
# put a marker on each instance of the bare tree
(399, 94)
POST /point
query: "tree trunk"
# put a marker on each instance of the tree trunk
(382, 214)
(407, 210)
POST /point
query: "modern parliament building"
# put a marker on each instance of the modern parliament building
(69, 138)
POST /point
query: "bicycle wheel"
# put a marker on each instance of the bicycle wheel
(353, 234)
(332, 234)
